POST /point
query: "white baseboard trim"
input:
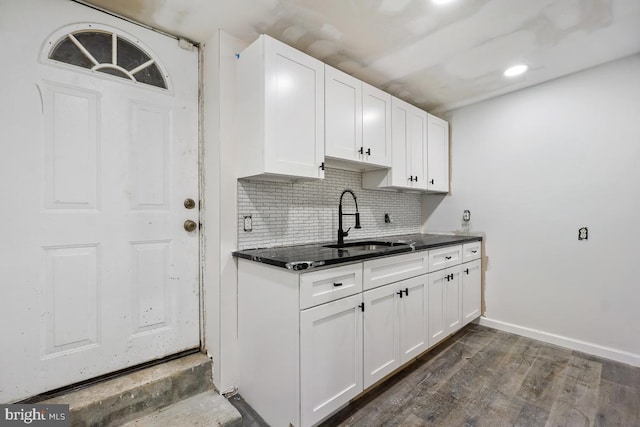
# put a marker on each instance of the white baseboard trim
(585, 347)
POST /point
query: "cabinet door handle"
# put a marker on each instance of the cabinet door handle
(399, 293)
(361, 307)
(467, 271)
(361, 150)
(337, 284)
(432, 182)
(447, 257)
(416, 178)
(368, 151)
(322, 166)
(406, 292)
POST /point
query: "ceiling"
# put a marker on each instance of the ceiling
(438, 57)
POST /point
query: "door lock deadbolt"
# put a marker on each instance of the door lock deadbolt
(189, 203)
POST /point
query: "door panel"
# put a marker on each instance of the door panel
(381, 333)
(413, 308)
(99, 274)
(330, 357)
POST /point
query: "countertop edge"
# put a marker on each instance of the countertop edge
(306, 265)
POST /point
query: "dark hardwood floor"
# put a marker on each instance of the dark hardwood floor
(484, 377)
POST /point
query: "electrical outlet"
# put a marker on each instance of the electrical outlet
(466, 215)
(248, 225)
(583, 233)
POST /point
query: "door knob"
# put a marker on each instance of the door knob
(189, 203)
(190, 225)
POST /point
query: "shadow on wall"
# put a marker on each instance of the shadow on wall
(430, 203)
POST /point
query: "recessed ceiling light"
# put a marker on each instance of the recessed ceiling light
(516, 70)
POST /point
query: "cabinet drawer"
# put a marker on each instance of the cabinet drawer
(382, 271)
(323, 286)
(471, 251)
(445, 257)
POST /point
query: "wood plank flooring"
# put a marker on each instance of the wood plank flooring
(485, 377)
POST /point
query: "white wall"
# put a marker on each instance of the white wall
(533, 167)
(220, 207)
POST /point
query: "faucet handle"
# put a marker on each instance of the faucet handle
(346, 233)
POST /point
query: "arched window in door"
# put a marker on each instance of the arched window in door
(110, 53)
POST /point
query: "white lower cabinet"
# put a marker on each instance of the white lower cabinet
(471, 291)
(395, 326)
(330, 357)
(381, 333)
(445, 304)
(310, 342)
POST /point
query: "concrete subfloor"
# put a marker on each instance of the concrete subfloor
(207, 409)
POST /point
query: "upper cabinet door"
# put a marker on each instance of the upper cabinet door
(294, 106)
(400, 171)
(343, 115)
(408, 150)
(417, 148)
(437, 154)
(376, 126)
(279, 112)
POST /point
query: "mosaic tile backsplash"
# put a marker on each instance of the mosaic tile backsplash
(285, 213)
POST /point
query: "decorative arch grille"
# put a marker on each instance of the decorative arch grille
(108, 53)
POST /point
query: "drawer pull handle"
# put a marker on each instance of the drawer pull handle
(337, 284)
(447, 257)
(399, 293)
(474, 251)
(361, 307)
(467, 271)
(406, 292)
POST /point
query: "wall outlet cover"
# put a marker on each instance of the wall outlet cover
(248, 224)
(583, 233)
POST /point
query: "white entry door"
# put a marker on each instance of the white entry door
(97, 157)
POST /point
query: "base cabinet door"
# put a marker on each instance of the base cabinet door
(437, 327)
(445, 304)
(453, 300)
(413, 301)
(471, 291)
(330, 357)
(381, 333)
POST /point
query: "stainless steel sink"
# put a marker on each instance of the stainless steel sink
(369, 245)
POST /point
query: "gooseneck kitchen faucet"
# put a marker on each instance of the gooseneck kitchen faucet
(341, 233)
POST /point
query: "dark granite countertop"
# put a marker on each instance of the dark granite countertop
(303, 257)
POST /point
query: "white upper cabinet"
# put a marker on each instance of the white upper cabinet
(437, 154)
(409, 150)
(343, 115)
(357, 123)
(279, 112)
(376, 126)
